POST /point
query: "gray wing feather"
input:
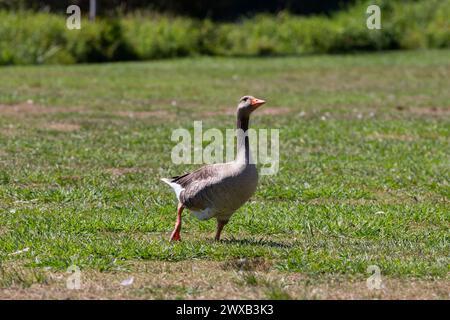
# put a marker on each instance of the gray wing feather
(198, 185)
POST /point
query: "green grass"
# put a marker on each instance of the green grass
(363, 177)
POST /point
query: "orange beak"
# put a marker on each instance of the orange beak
(257, 102)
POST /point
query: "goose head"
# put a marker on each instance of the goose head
(248, 104)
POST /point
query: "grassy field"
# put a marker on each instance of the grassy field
(363, 180)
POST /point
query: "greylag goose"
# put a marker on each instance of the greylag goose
(218, 190)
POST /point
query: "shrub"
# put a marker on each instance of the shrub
(161, 37)
(99, 42)
(34, 38)
(28, 38)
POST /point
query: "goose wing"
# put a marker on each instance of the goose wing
(197, 186)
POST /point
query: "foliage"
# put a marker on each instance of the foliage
(36, 38)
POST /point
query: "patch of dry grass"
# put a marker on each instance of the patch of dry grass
(214, 280)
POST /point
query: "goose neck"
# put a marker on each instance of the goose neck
(243, 146)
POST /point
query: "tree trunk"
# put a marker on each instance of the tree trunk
(92, 9)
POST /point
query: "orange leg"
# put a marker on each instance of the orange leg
(176, 232)
(220, 225)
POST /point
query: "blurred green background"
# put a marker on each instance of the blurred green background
(35, 32)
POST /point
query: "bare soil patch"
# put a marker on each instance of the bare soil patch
(144, 114)
(384, 197)
(9, 131)
(391, 136)
(426, 111)
(63, 127)
(33, 111)
(121, 171)
(25, 109)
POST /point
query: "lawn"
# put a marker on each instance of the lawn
(363, 179)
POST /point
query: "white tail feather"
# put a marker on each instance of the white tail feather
(175, 186)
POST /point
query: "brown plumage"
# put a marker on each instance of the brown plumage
(218, 190)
